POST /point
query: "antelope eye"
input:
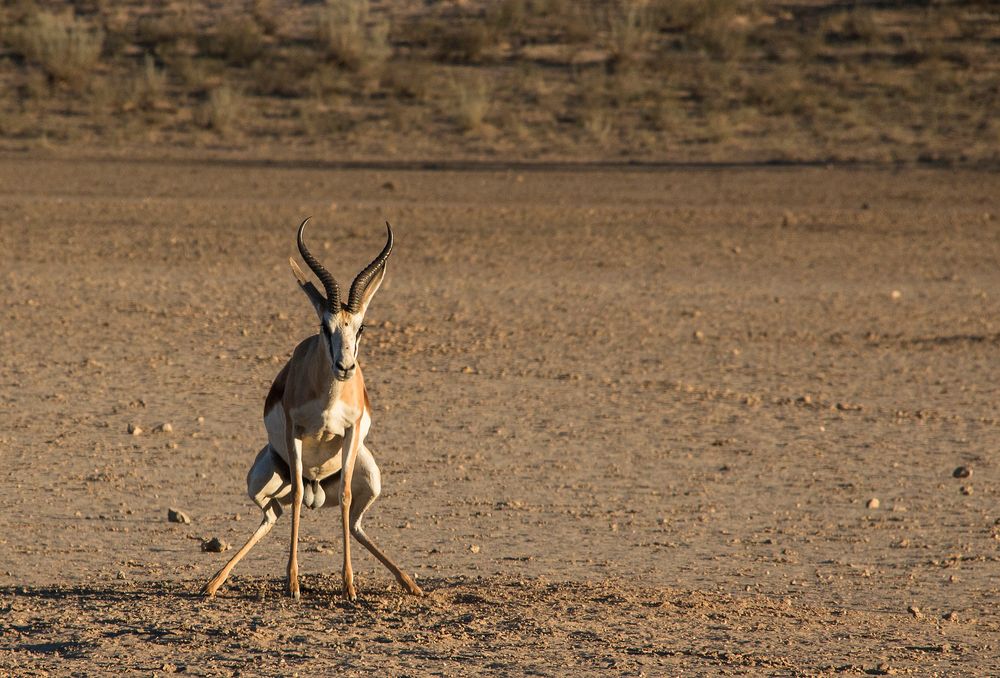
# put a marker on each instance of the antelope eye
(361, 331)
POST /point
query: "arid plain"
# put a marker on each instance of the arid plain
(630, 422)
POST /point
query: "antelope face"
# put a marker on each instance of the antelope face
(342, 337)
(341, 325)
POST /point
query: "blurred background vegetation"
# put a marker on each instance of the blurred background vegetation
(742, 80)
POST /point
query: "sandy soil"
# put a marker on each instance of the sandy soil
(629, 422)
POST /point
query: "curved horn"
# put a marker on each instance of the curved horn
(364, 278)
(332, 289)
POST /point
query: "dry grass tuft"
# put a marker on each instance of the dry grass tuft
(630, 32)
(65, 47)
(149, 86)
(221, 110)
(349, 34)
(471, 100)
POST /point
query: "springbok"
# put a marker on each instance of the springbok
(317, 415)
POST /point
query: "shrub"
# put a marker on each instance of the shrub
(66, 48)
(240, 41)
(464, 43)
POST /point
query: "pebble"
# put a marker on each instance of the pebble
(178, 516)
(915, 611)
(967, 490)
(874, 503)
(215, 545)
(895, 294)
(121, 574)
(951, 616)
(699, 335)
(134, 429)
(961, 472)
(474, 548)
(165, 427)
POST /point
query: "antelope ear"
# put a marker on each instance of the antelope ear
(315, 297)
(372, 288)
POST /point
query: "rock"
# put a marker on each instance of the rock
(967, 490)
(961, 472)
(874, 503)
(165, 427)
(178, 516)
(121, 574)
(389, 186)
(950, 616)
(474, 548)
(215, 545)
(915, 611)
(134, 429)
(895, 294)
(699, 335)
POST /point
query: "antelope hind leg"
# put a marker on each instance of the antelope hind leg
(366, 485)
(266, 484)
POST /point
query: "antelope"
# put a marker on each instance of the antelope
(317, 415)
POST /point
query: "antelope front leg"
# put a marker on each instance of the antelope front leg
(295, 455)
(350, 453)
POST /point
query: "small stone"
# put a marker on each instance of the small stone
(874, 503)
(165, 427)
(961, 472)
(178, 516)
(134, 429)
(467, 370)
(895, 294)
(699, 335)
(950, 616)
(474, 548)
(915, 611)
(215, 545)
(967, 490)
(389, 186)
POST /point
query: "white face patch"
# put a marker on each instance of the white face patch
(340, 335)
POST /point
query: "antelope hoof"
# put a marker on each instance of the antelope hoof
(349, 591)
(410, 586)
(208, 590)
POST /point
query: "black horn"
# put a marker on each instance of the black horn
(329, 284)
(364, 278)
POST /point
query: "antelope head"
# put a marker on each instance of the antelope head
(341, 324)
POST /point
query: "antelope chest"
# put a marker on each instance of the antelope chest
(321, 432)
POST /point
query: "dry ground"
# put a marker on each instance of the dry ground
(629, 422)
